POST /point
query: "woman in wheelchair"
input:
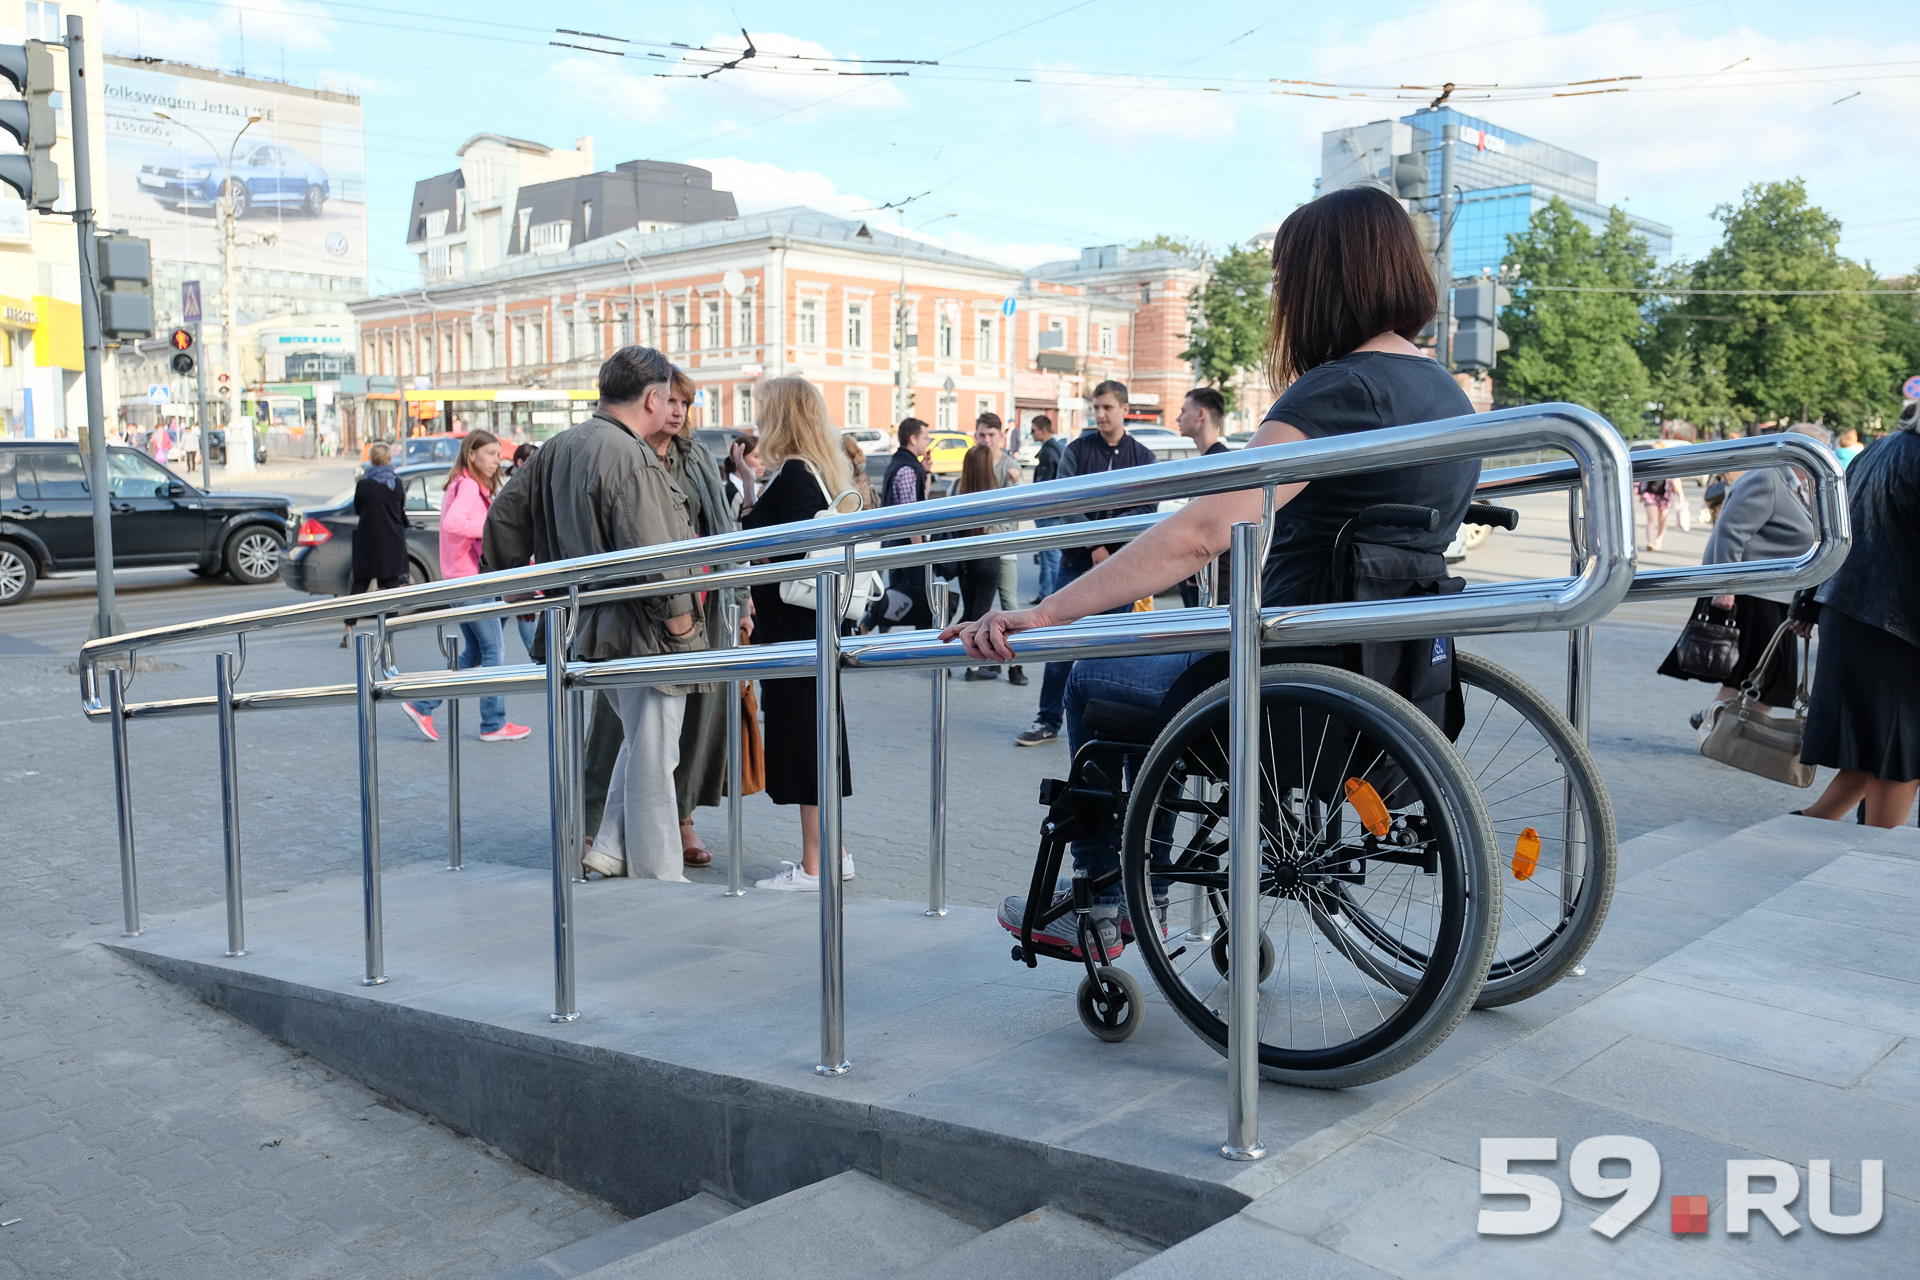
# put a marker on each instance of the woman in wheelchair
(1351, 288)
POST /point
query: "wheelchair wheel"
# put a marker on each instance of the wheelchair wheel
(1113, 1008)
(1536, 775)
(1378, 885)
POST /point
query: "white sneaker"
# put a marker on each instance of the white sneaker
(790, 879)
(846, 866)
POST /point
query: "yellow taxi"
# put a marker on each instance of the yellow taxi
(949, 450)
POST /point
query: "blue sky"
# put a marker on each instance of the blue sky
(1054, 125)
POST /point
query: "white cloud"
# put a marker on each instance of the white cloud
(133, 30)
(1122, 111)
(1691, 134)
(758, 186)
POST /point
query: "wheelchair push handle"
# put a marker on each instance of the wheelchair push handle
(1488, 514)
(1398, 515)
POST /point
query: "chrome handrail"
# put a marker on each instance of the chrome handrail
(1599, 471)
(1543, 426)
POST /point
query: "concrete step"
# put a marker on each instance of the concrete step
(843, 1227)
(625, 1240)
(1048, 1242)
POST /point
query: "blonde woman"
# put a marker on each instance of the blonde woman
(810, 473)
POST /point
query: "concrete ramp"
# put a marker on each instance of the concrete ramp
(1753, 996)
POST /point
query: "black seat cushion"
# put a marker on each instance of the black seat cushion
(1120, 722)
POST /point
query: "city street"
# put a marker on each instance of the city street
(120, 1156)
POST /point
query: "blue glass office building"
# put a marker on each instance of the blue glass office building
(1502, 177)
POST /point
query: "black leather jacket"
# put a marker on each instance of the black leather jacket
(1879, 584)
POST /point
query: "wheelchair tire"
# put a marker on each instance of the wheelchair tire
(1113, 1010)
(1545, 927)
(1329, 1018)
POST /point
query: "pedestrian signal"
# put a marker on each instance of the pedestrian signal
(182, 362)
(182, 340)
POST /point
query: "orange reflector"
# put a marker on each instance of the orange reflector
(1526, 854)
(1366, 802)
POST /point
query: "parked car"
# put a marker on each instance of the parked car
(321, 560)
(949, 450)
(217, 446)
(442, 449)
(268, 175)
(718, 440)
(46, 519)
(871, 440)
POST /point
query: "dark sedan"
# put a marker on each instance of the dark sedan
(321, 561)
(46, 519)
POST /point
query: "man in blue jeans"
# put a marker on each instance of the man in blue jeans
(1107, 447)
(1047, 467)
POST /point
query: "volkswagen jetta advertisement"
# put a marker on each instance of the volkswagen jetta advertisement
(178, 138)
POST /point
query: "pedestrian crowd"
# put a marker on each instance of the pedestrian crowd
(632, 476)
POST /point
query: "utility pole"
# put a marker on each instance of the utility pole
(106, 620)
(200, 388)
(242, 460)
(1443, 257)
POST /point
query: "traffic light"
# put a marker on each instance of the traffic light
(182, 339)
(182, 362)
(30, 67)
(126, 287)
(1478, 341)
(1410, 176)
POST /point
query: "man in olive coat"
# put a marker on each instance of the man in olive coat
(600, 487)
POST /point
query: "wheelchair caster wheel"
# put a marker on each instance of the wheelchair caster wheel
(1018, 953)
(1113, 1007)
(1266, 954)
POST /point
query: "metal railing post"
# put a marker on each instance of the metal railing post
(561, 782)
(230, 800)
(366, 655)
(123, 800)
(1243, 854)
(736, 749)
(450, 645)
(937, 787)
(833, 975)
(1573, 860)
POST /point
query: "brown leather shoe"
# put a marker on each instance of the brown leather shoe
(696, 857)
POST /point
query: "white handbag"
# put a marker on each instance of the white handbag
(802, 593)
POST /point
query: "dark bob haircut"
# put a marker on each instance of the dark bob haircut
(1347, 268)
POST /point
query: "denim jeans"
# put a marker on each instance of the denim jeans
(482, 649)
(529, 624)
(1137, 682)
(1049, 560)
(1053, 682)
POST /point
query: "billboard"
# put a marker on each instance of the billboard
(297, 176)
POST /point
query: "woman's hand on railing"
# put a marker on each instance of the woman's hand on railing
(986, 638)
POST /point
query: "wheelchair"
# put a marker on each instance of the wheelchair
(1410, 871)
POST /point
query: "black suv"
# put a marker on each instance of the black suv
(46, 519)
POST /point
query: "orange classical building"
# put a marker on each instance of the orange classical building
(734, 300)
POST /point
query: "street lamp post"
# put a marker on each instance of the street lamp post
(627, 258)
(902, 390)
(413, 339)
(242, 459)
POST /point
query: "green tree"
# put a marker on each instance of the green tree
(1690, 383)
(1229, 318)
(1186, 248)
(1899, 309)
(1577, 346)
(1821, 357)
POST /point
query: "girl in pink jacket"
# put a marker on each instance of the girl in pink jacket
(471, 484)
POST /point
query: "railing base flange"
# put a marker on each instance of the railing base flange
(373, 982)
(840, 1070)
(1237, 1153)
(564, 1017)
